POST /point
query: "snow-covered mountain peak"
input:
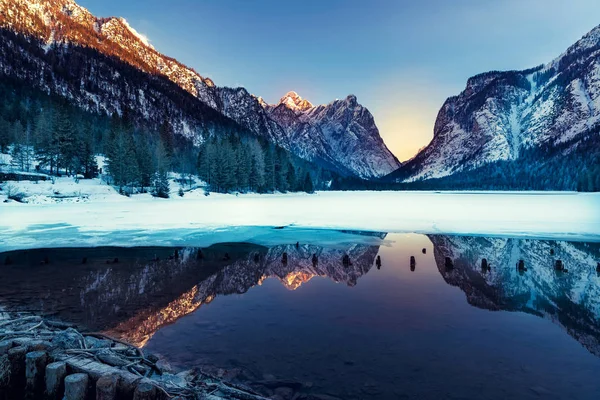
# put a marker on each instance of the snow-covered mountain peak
(294, 102)
(143, 38)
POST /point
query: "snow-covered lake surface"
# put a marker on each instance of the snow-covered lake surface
(102, 217)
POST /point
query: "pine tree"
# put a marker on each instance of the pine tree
(65, 137)
(308, 184)
(46, 145)
(243, 167)
(162, 163)
(121, 160)
(145, 164)
(291, 178)
(269, 173)
(5, 135)
(161, 185)
(22, 151)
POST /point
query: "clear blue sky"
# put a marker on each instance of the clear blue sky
(401, 58)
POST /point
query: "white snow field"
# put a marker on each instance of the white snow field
(91, 213)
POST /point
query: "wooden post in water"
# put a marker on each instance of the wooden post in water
(55, 380)
(76, 386)
(106, 387)
(35, 370)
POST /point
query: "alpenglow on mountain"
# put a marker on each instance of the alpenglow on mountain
(543, 113)
(64, 42)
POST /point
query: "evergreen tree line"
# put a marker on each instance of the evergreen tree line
(248, 165)
(60, 139)
(49, 135)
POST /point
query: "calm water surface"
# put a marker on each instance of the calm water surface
(352, 330)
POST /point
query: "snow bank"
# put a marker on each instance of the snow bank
(189, 220)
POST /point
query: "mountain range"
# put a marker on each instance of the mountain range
(103, 65)
(550, 111)
(533, 129)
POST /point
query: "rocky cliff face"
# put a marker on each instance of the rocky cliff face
(501, 114)
(69, 52)
(569, 299)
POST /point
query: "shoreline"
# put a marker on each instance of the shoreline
(196, 219)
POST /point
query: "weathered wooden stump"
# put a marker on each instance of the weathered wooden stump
(559, 266)
(346, 260)
(55, 380)
(424, 250)
(106, 387)
(145, 391)
(16, 358)
(485, 267)
(413, 262)
(378, 262)
(5, 345)
(521, 265)
(76, 387)
(4, 373)
(35, 371)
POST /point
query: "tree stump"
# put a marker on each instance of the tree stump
(449, 263)
(5, 346)
(76, 386)
(106, 387)
(413, 262)
(424, 250)
(35, 371)
(16, 357)
(145, 391)
(55, 380)
(484, 265)
(559, 266)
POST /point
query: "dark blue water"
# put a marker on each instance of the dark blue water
(426, 331)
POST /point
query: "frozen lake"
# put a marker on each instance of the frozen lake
(358, 329)
(196, 220)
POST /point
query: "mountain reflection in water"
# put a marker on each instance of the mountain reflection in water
(132, 292)
(394, 326)
(570, 299)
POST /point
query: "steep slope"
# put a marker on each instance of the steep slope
(501, 115)
(341, 136)
(568, 299)
(342, 132)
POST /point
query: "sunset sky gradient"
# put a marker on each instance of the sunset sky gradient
(402, 59)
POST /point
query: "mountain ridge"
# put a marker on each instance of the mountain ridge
(502, 114)
(64, 23)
